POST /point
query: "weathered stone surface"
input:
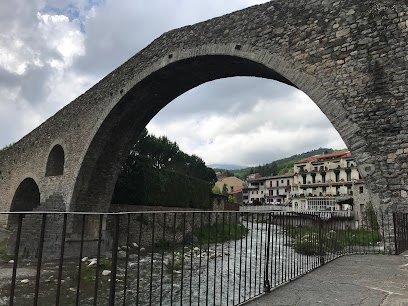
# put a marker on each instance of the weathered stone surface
(350, 57)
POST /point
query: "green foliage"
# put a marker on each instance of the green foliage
(157, 172)
(371, 217)
(89, 272)
(307, 239)
(216, 189)
(224, 189)
(231, 199)
(220, 232)
(4, 257)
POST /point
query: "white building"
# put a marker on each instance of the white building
(320, 181)
(270, 189)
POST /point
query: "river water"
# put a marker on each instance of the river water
(216, 274)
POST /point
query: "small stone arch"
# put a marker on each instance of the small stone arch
(55, 161)
(26, 198)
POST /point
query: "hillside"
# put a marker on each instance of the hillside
(279, 166)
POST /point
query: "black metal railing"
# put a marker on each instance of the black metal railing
(167, 258)
(400, 232)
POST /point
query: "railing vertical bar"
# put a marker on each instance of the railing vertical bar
(250, 255)
(172, 258)
(280, 247)
(256, 254)
(162, 258)
(215, 259)
(207, 281)
(260, 274)
(235, 258)
(199, 260)
(39, 262)
(81, 247)
(290, 255)
(275, 256)
(285, 259)
(229, 255)
(182, 258)
(246, 257)
(15, 263)
(98, 257)
(222, 257)
(61, 259)
(191, 259)
(240, 269)
(141, 218)
(394, 220)
(152, 258)
(267, 284)
(272, 246)
(114, 266)
(126, 259)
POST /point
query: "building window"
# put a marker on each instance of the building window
(277, 183)
(324, 189)
(348, 176)
(337, 176)
(361, 189)
(323, 177)
(304, 179)
(270, 184)
(313, 179)
(261, 191)
(282, 181)
(288, 182)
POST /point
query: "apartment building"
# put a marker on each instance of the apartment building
(325, 175)
(270, 189)
(324, 182)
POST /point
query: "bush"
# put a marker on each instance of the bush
(220, 232)
(308, 241)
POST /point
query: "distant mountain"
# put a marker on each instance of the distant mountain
(226, 166)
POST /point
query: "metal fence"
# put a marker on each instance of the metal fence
(167, 258)
(400, 232)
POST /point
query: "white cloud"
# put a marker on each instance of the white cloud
(266, 130)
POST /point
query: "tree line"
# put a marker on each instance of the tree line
(157, 172)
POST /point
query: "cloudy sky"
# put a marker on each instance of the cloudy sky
(51, 51)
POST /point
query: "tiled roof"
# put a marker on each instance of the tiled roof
(325, 157)
(263, 178)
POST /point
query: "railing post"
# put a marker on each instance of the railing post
(267, 282)
(114, 264)
(395, 223)
(321, 257)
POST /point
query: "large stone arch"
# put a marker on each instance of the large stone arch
(170, 77)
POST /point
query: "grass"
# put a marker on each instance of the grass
(3, 251)
(88, 273)
(309, 242)
(220, 232)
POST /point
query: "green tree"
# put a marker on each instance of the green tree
(224, 189)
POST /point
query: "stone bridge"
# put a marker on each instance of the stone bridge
(349, 57)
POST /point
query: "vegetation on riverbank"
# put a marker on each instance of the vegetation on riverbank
(308, 241)
(220, 232)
